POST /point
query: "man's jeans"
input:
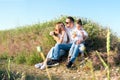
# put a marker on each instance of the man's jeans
(75, 50)
(57, 49)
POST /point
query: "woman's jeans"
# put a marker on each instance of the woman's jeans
(58, 48)
(50, 53)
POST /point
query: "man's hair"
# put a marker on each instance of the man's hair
(79, 22)
(71, 19)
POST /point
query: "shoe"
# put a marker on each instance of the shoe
(52, 63)
(43, 66)
(69, 64)
(69, 57)
(38, 65)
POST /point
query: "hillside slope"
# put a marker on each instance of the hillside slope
(20, 46)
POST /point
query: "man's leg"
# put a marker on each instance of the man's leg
(71, 49)
(73, 57)
(75, 53)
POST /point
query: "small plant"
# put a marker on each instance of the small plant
(106, 65)
(7, 74)
(108, 52)
(39, 49)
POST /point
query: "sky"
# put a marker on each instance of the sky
(15, 13)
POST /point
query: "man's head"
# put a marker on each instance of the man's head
(69, 22)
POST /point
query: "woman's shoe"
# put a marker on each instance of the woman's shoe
(43, 66)
(38, 65)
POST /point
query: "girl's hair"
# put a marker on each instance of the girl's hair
(79, 22)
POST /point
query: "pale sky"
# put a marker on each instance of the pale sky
(15, 13)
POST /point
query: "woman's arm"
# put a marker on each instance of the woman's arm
(59, 39)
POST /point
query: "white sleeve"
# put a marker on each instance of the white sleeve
(85, 33)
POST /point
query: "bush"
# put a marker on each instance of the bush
(33, 58)
(4, 55)
(21, 58)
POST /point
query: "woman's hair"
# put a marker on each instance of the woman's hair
(79, 22)
(60, 26)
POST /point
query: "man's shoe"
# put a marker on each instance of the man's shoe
(69, 64)
(52, 63)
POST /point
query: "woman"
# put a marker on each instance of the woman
(60, 36)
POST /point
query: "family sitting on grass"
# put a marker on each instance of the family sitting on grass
(70, 37)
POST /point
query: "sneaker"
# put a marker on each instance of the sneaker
(38, 65)
(69, 64)
(52, 63)
(43, 66)
(69, 57)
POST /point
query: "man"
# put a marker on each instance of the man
(69, 29)
(79, 36)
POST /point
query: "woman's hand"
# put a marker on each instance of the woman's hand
(51, 33)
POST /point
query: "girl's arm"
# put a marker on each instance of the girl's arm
(84, 36)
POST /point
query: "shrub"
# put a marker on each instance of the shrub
(4, 55)
(21, 58)
(33, 58)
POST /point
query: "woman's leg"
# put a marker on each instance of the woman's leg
(49, 56)
(57, 49)
(50, 53)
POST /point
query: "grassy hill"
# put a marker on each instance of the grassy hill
(20, 44)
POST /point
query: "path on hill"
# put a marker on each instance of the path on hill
(62, 73)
